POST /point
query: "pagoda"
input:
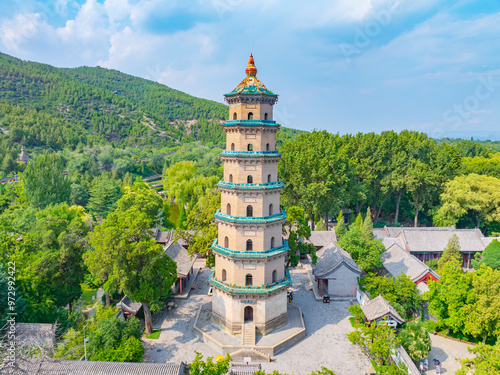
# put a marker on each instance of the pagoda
(250, 279)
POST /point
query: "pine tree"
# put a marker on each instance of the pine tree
(358, 223)
(451, 252)
(367, 228)
(341, 228)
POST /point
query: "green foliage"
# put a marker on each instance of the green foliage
(357, 313)
(126, 258)
(50, 256)
(367, 226)
(365, 252)
(209, 367)
(490, 256)
(341, 228)
(104, 195)
(155, 335)
(400, 291)
(484, 361)
(110, 339)
(451, 252)
(489, 166)
(415, 339)
(141, 197)
(376, 341)
(479, 195)
(433, 264)
(468, 148)
(44, 182)
(298, 233)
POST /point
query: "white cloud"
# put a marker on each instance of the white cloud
(18, 31)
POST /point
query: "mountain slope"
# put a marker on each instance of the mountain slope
(44, 106)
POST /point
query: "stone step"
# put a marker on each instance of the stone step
(248, 334)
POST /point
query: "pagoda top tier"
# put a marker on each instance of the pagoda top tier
(251, 85)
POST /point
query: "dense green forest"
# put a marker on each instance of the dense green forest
(54, 108)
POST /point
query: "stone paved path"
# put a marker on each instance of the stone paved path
(325, 344)
(446, 350)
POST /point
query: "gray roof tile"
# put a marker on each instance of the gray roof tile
(379, 307)
(180, 256)
(331, 257)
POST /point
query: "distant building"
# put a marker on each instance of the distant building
(380, 311)
(428, 243)
(126, 308)
(23, 157)
(336, 272)
(397, 260)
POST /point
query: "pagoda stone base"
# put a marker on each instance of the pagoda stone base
(262, 329)
(278, 337)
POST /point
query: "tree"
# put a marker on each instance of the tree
(8, 164)
(367, 227)
(44, 182)
(17, 302)
(451, 252)
(141, 197)
(377, 341)
(110, 339)
(341, 228)
(50, 256)
(298, 233)
(78, 196)
(400, 291)
(201, 221)
(475, 194)
(127, 258)
(209, 367)
(416, 340)
(448, 295)
(104, 194)
(365, 252)
(490, 256)
(483, 305)
(485, 360)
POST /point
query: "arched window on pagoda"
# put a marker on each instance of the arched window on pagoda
(249, 245)
(268, 147)
(248, 280)
(228, 209)
(272, 242)
(250, 147)
(265, 116)
(271, 209)
(249, 179)
(226, 242)
(234, 116)
(268, 178)
(275, 276)
(249, 211)
(232, 146)
(224, 275)
(250, 115)
(230, 178)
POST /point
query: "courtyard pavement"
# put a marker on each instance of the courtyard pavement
(325, 344)
(446, 350)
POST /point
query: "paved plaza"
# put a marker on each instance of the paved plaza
(446, 350)
(326, 343)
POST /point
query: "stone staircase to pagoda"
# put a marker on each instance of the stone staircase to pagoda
(248, 334)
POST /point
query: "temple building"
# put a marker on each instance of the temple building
(250, 279)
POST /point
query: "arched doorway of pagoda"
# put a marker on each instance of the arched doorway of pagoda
(248, 314)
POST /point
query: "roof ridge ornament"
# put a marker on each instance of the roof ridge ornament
(251, 70)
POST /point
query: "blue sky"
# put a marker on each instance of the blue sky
(341, 65)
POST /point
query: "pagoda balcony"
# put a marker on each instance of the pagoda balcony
(250, 254)
(250, 122)
(237, 289)
(250, 154)
(250, 219)
(247, 186)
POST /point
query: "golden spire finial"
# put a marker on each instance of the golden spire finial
(251, 70)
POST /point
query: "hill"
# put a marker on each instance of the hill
(53, 108)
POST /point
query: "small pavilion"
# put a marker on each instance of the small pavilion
(380, 311)
(23, 157)
(336, 272)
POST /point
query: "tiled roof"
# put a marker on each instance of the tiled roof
(322, 238)
(397, 260)
(180, 256)
(436, 239)
(487, 240)
(422, 287)
(126, 305)
(379, 307)
(54, 367)
(331, 257)
(29, 334)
